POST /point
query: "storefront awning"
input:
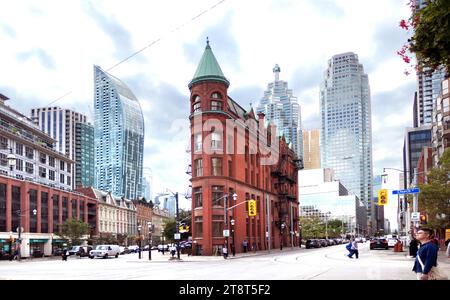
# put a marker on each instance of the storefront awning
(38, 240)
(3, 241)
(54, 241)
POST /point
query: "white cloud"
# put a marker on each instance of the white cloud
(298, 35)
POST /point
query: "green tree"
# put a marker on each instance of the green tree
(431, 34)
(74, 231)
(312, 227)
(434, 196)
(170, 225)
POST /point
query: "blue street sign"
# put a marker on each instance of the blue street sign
(407, 191)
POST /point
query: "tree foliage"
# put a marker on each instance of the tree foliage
(315, 227)
(170, 226)
(434, 197)
(431, 34)
(74, 231)
(431, 39)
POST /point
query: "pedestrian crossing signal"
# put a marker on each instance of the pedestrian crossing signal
(383, 197)
(252, 208)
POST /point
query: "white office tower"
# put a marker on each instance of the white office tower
(282, 108)
(346, 139)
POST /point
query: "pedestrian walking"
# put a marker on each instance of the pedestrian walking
(426, 255)
(15, 255)
(225, 251)
(413, 247)
(354, 249)
(64, 254)
(447, 243)
(349, 249)
(245, 245)
(173, 250)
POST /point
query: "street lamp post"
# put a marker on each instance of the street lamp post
(299, 235)
(150, 231)
(233, 247)
(162, 238)
(225, 216)
(19, 213)
(140, 240)
(177, 226)
(282, 226)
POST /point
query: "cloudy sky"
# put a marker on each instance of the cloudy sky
(48, 49)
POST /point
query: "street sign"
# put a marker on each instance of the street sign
(226, 232)
(177, 236)
(407, 191)
(415, 216)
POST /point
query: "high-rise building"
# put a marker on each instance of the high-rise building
(118, 137)
(428, 86)
(346, 136)
(146, 189)
(60, 124)
(84, 155)
(440, 129)
(282, 108)
(415, 140)
(311, 149)
(428, 90)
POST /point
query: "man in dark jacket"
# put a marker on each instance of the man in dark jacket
(427, 255)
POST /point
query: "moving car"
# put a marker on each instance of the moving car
(380, 243)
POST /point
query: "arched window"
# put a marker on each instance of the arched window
(215, 104)
(196, 107)
(216, 95)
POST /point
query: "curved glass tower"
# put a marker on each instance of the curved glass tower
(119, 137)
(281, 107)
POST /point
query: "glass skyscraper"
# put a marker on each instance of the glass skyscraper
(119, 137)
(346, 138)
(84, 155)
(63, 126)
(282, 108)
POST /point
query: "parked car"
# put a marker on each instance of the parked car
(160, 247)
(133, 249)
(379, 243)
(123, 250)
(312, 244)
(105, 251)
(81, 251)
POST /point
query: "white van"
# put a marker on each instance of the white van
(105, 251)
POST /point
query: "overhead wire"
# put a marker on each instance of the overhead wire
(179, 27)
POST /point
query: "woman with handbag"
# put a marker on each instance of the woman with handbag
(425, 265)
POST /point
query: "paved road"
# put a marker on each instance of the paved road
(323, 263)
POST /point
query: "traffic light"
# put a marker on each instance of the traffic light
(423, 218)
(383, 197)
(252, 208)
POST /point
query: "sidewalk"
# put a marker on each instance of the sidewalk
(159, 257)
(443, 260)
